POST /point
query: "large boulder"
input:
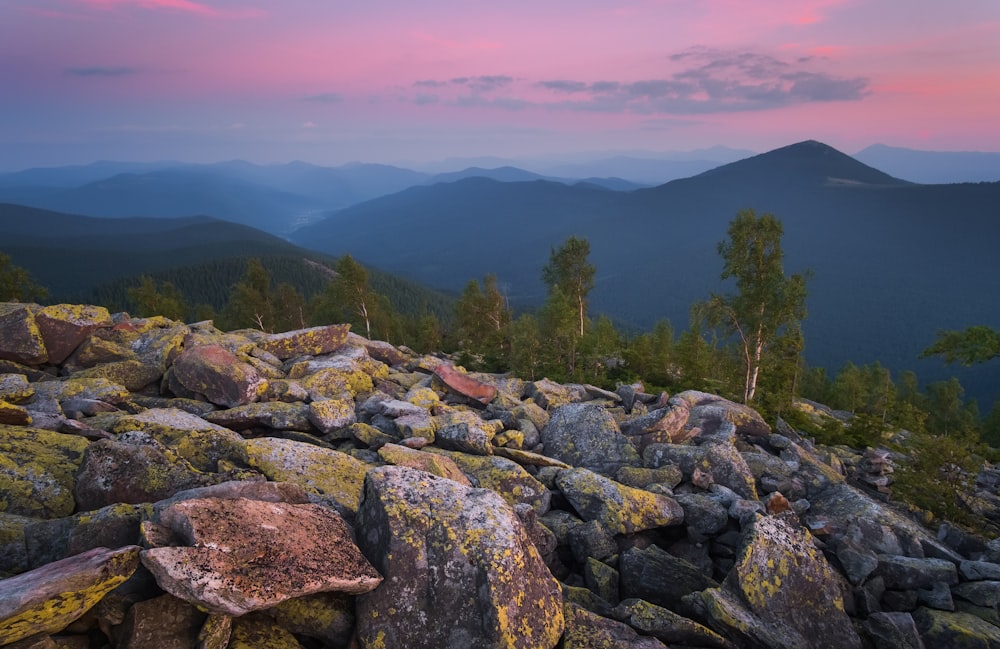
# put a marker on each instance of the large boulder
(780, 594)
(37, 471)
(65, 326)
(134, 468)
(50, 598)
(333, 477)
(586, 630)
(586, 435)
(460, 570)
(20, 339)
(621, 509)
(219, 375)
(244, 555)
(306, 342)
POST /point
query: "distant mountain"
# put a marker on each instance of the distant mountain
(893, 261)
(510, 174)
(933, 166)
(273, 198)
(72, 254)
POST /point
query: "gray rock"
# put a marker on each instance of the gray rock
(585, 435)
(659, 577)
(460, 571)
(621, 509)
(893, 631)
(909, 573)
(979, 571)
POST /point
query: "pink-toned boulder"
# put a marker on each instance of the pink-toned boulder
(20, 339)
(50, 598)
(219, 375)
(306, 342)
(464, 384)
(65, 326)
(249, 555)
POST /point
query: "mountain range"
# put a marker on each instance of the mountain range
(893, 261)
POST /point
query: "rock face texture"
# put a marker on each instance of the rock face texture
(173, 485)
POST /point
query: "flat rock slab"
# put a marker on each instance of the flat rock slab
(50, 598)
(249, 555)
(306, 342)
(620, 508)
(464, 384)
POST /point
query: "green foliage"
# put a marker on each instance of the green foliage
(148, 299)
(482, 322)
(255, 304)
(935, 470)
(972, 345)
(526, 347)
(766, 302)
(570, 273)
(16, 284)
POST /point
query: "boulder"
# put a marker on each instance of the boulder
(586, 630)
(200, 442)
(327, 617)
(433, 463)
(219, 375)
(113, 526)
(656, 576)
(306, 342)
(585, 435)
(165, 622)
(333, 477)
(245, 555)
(621, 509)
(945, 629)
(134, 468)
(20, 339)
(507, 478)
(50, 598)
(660, 426)
(665, 625)
(465, 385)
(460, 571)
(64, 326)
(781, 593)
(275, 415)
(38, 471)
(911, 573)
(15, 388)
(329, 415)
(893, 631)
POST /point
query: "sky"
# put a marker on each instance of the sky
(401, 81)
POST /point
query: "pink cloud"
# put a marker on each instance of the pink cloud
(184, 6)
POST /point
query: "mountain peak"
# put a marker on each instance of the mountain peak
(809, 162)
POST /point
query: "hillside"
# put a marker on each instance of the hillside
(893, 261)
(933, 166)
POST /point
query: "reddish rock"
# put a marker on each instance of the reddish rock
(65, 326)
(20, 339)
(464, 384)
(219, 375)
(306, 342)
(776, 503)
(50, 598)
(14, 415)
(164, 622)
(249, 555)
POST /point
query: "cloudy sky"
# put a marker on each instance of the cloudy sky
(332, 81)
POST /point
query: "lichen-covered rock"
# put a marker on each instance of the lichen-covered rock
(665, 625)
(37, 471)
(258, 631)
(306, 342)
(275, 415)
(621, 509)
(329, 415)
(714, 417)
(165, 622)
(15, 388)
(585, 435)
(586, 630)
(132, 374)
(219, 375)
(14, 415)
(656, 576)
(134, 468)
(327, 617)
(433, 463)
(955, 630)
(459, 569)
(717, 463)
(334, 477)
(65, 326)
(200, 442)
(507, 478)
(50, 598)
(781, 593)
(660, 426)
(113, 526)
(245, 555)
(20, 339)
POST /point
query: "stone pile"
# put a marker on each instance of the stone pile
(172, 485)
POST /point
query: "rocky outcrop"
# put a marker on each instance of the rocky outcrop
(172, 485)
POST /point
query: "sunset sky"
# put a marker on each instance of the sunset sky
(329, 81)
